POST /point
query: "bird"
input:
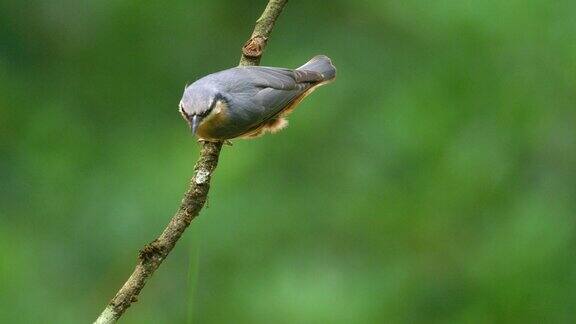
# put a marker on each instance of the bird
(249, 101)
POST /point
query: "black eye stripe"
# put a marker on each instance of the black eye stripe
(182, 111)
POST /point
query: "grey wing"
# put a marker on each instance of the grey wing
(267, 77)
(282, 79)
(263, 92)
(270, 77)
(274, 100)
(277, 87)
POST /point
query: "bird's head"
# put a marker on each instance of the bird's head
(197, 103)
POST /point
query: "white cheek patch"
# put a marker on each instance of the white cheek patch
(219, 107)
(219, 111)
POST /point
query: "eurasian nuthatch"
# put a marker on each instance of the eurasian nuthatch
(250, 101)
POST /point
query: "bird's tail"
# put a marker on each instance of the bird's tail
(321, 64)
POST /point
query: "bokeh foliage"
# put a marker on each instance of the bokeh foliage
(433, 182)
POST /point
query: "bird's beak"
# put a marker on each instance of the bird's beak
(194, 122)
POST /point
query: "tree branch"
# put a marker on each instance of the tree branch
(152, 255)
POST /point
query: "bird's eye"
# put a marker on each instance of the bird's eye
(182, 112)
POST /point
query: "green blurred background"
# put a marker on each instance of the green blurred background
(433, 182)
